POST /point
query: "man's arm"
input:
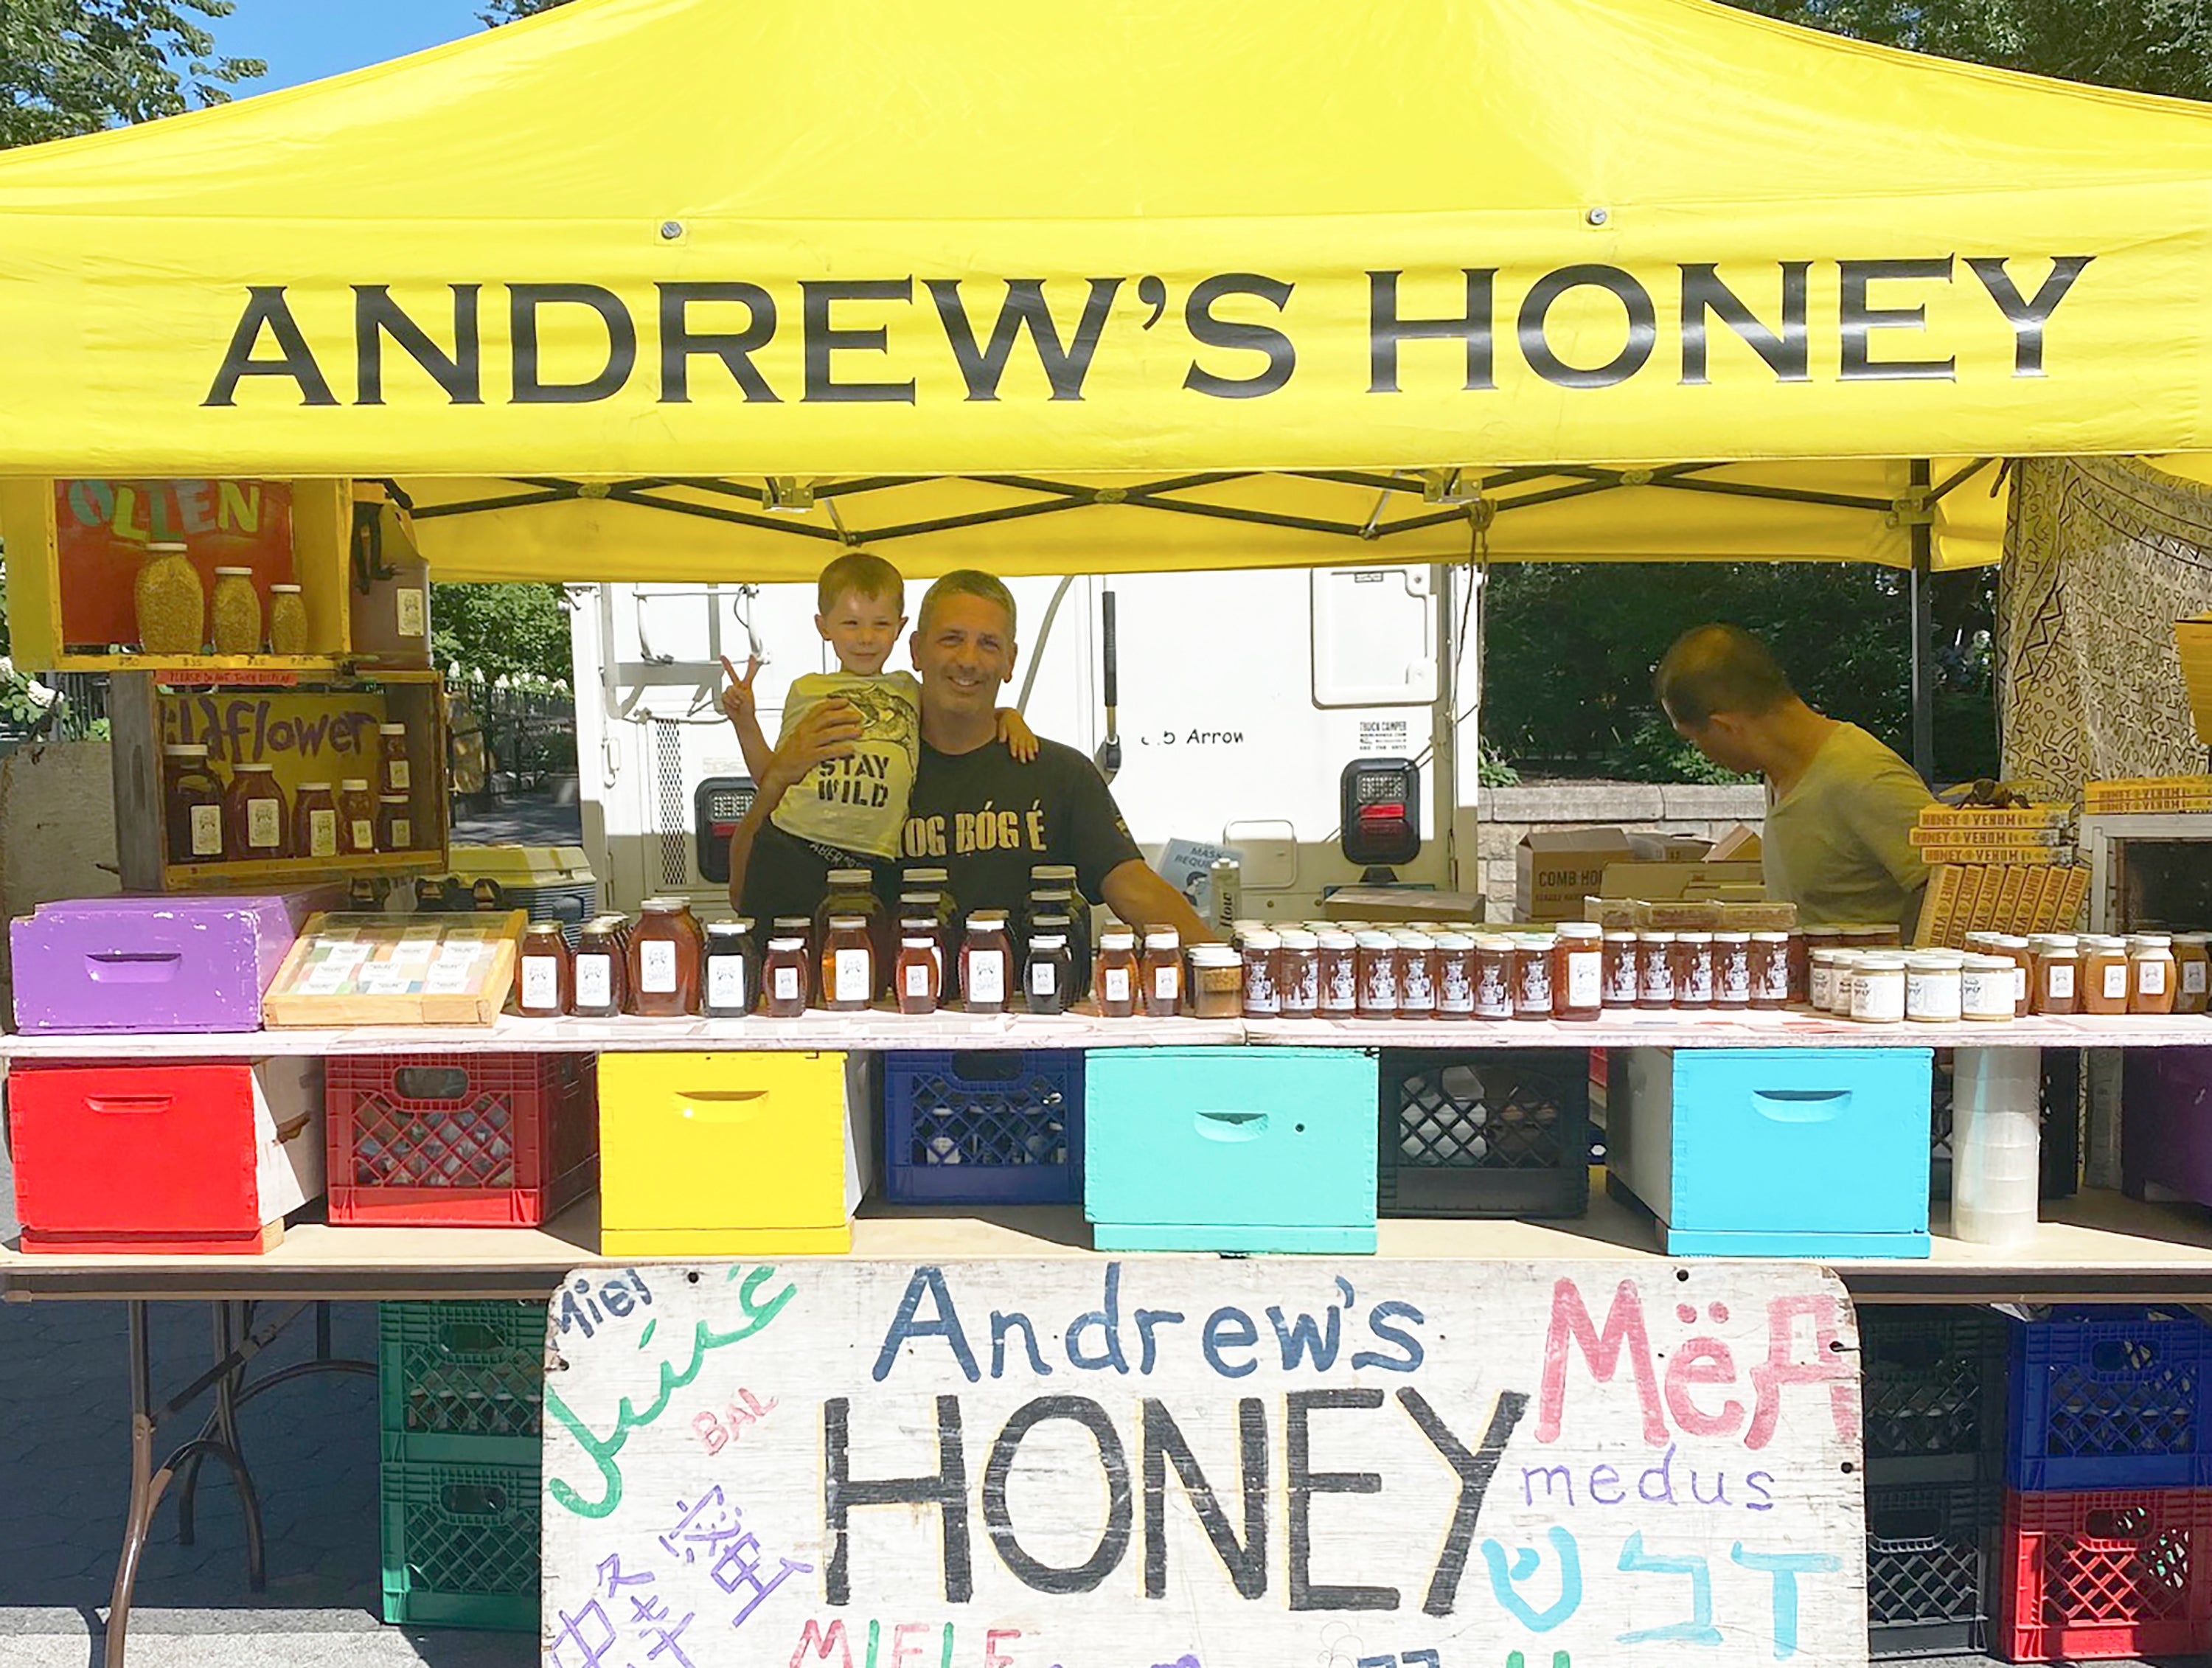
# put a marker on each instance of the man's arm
(827, 731)
(1139, 897)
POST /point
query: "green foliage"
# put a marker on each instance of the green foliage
(1568, 654)
(1493, 768)
(2147, 45)
(501, 631)
(507, 11)
(77, 66)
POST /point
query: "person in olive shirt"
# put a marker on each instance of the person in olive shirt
(1840, 807)
(984, 818)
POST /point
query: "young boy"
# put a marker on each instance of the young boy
(848, 812)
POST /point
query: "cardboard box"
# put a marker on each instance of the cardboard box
(1738, 843)
(1657, 882)
(1401, 903)
(1555, 869)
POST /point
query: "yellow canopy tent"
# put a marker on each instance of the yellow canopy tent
(665, 289)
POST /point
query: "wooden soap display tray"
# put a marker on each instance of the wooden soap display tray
(396, 970)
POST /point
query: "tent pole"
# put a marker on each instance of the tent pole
(1923, 534)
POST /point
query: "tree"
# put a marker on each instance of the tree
(507, 11)
(501, 631)
(77, 66)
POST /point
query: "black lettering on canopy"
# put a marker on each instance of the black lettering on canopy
(266, 308)
(1786, 351)
(1281, 353)
(680, 344)
(525, 301)
(822, 340)
(1635, 353)
(376, 315)
(1385, 330)
(1113, 1460)
(1065, 366)
(1858, 320)
(2028, 316)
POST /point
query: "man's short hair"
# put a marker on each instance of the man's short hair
(1719, 668)
(969, 582)
(862, 574)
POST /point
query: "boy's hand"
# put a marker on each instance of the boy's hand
(737, 699)
(1021, 740)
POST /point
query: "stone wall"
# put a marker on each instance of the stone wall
(1502, 815)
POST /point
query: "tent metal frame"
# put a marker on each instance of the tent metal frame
(1477, 502)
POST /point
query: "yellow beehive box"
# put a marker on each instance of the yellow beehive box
(737, 1154)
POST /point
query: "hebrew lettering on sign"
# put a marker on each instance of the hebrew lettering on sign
(1170, 1463)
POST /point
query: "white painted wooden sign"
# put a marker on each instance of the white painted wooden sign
(1170, 1463)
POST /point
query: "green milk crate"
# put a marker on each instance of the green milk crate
(460, 1545)
(461, 1382)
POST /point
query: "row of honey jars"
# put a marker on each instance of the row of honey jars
(251, 819)
(1660, 972)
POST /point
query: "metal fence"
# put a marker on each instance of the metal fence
(79, 711)
(508, 739)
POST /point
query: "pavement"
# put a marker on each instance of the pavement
(64, 1478)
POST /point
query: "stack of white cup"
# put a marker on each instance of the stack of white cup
(1995, 1137)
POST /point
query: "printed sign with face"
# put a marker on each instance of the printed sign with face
(1172, 1464)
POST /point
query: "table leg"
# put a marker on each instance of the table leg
(139, 1516)
(221, 1424)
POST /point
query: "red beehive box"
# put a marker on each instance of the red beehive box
(2116, 1573)
(178, 1160)
(461, 1140)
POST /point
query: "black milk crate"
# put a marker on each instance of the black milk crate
(1483, 1132)
(1932, 1381)
(1930, 1556)
(2061, 1100)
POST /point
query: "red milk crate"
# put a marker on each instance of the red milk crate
(2119, 1572)
(461, 1140)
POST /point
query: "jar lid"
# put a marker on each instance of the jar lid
(1494, 943)
(1931, 965)
(1118, 938)
(1882, 964)
(850, 877)
(728, 928)
(1454, 941)
(1163, 938)
(923, 940)
(2197, 940)
(786, 944)
(1259, 939)
(1989, 964)
(1049, 941)
(1405, 938)
(387, 799)
(1579, 930)
(185, 750)
(923, 873)
(1053, 871)
(1622, 936)
(283, 590)
(1693, 938)
(2105, 943)
(994, 918)
(1538, 941)
(1770, 938)
(314, 788)
(2009, 941)
(606, 923)
(665, 905)
(1373, 940)
(1212, 955)
(1655, 938)
(353, 785)
(1732, 938)
(164, 548)
(1826, 957)
(1335, 939)
(800, 923)
(253, 767)
(1295, 939)
(2151, 941)
(848, 923)
(392, 729)
(1864, 931)
(236, 573)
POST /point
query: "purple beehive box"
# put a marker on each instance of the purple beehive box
(2166, 1123)
(175, 962)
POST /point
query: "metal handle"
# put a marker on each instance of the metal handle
(1109, 647)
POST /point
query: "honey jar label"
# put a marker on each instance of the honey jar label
(1117, 984)
(207, 830)
(262, 818)
(2192, 978)
(1583, 979)
(2152, 977)
(725, 982)
(402, 834)
(397, 778)
(987, 977)
(322, 833)
(595, 985)
(541, 982)
(917, 980)
(2061, 982)
(2116, 982)
(414, 617)
(787, 984)
(363, 834)
(850, 980)
(656, 969)
(1042, 980)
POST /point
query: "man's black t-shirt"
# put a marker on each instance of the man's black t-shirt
(987, 819)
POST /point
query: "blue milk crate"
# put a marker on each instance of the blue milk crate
(1230, 1149)
(996, 1127)
(2111, 1398)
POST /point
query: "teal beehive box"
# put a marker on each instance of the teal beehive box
(1230, 1149)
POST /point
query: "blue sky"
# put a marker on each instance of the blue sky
(307, 40)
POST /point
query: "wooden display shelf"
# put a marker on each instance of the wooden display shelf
(2099, 1247)
(280, 872)
(243, 670)
(509, 1034)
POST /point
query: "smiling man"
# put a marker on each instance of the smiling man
(1840, 807)
(983, 818)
